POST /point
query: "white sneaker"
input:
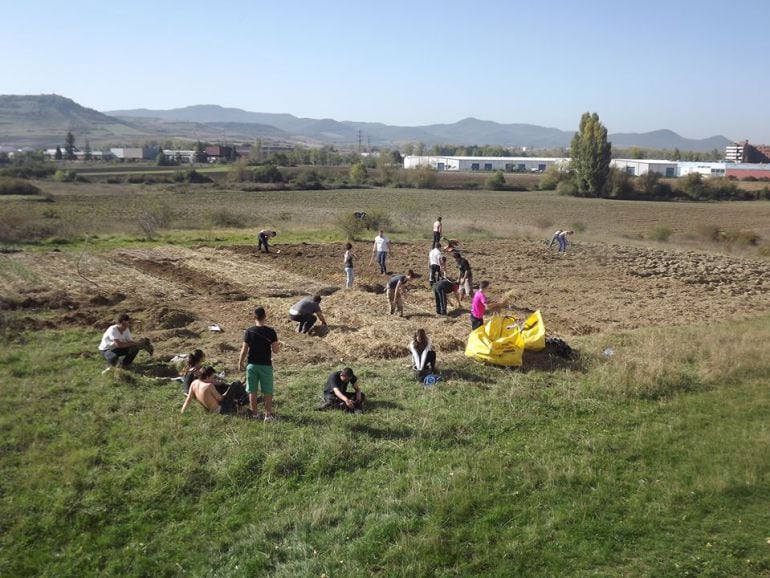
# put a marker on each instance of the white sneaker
(107, 370)
(269, 418)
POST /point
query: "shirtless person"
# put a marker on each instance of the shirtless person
(204, 390)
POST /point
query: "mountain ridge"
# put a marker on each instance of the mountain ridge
(43, 120)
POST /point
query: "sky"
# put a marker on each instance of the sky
(695, 67)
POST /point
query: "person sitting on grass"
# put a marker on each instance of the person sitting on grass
(211, 394)
(117, 342)
(336, 395)
(191, 369)
(423, 356)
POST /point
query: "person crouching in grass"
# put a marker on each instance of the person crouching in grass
(336, 393)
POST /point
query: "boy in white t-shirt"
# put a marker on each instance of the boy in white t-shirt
(117, 342)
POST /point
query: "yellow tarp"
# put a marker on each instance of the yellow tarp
(500, 341)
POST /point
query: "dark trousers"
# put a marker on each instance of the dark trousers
(441, 299)
(305, 321)
(476, 322)
(263, 242)
(331, 401)
(429, 367)
(435, 274)
(127, 353)
(233, 395)
(436, 237)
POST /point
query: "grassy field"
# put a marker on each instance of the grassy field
(232, 212)
(629, 466)
(649, 455)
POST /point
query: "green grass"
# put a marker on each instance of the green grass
(492, 472)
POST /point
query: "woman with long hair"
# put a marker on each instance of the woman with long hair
(191, 368)
(347, 262)
(423, 356)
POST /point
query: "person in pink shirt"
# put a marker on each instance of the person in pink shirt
(480, 305)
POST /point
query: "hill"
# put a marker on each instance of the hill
(43, 120)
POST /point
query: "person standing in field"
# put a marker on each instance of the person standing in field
(382, 248)
(259, 344)
(303, 313)
(480, 305)
(465, 277)
(347, 263)
(561, 237)
(263, 236)
(435, 263)
(437, 230)
(396, 290)
(441, 291)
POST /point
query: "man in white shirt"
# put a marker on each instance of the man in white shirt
(382, 248)
(117, 342)
(435, 260)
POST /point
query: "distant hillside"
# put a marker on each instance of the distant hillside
(468, 131)
(44, 121)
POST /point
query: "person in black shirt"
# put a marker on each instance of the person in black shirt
(441, 291)
(259, 343)
(336, 393)
(465, 278)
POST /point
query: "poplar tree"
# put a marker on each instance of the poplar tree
(591, 155)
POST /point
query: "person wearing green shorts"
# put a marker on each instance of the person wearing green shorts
(259, 343)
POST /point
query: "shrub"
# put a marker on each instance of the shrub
(349, 225)
(566, 188)
(661, 233)
(496, 181)
(358, 173)
(423, 178)
(154, 218)
(28, 171)
(308, 180)
(377, 219)
(579, 227)
(267, 174)
(136, 179)
(14, 186)
(65, 176)
(551, 178)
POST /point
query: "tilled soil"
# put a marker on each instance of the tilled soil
(175, 294)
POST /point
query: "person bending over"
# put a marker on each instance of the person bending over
(441, 291)
(336, 393)
(423, 356)
(396, 290)
(262, 238)
(302, 312)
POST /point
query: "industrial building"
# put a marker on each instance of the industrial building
(507, 164)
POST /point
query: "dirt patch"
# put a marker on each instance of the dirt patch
(166, 318)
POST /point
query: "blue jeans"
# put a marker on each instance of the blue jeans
(381, 257)
(562, 244)
(348, 277)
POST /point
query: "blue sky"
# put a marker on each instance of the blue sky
(698, 68)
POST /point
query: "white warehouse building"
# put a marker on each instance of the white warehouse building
(639, 167)
(507, 164)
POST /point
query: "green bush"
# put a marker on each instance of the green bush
(661, 233)
(423, 178)
(267, 174)
(495, 181)
(308, 180)
(551, 178)
(14, 186)
(566, 188)
(377, 219)
(28, 171)
(350, 226)
(65, 176)
(358, 173)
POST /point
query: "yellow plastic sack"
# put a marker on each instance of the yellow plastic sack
(498, 342)
(533, 332)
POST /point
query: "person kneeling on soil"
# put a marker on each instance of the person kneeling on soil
(302, 312)
(214, 396)
(423, 356)
(336, 395)
(117, 342)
